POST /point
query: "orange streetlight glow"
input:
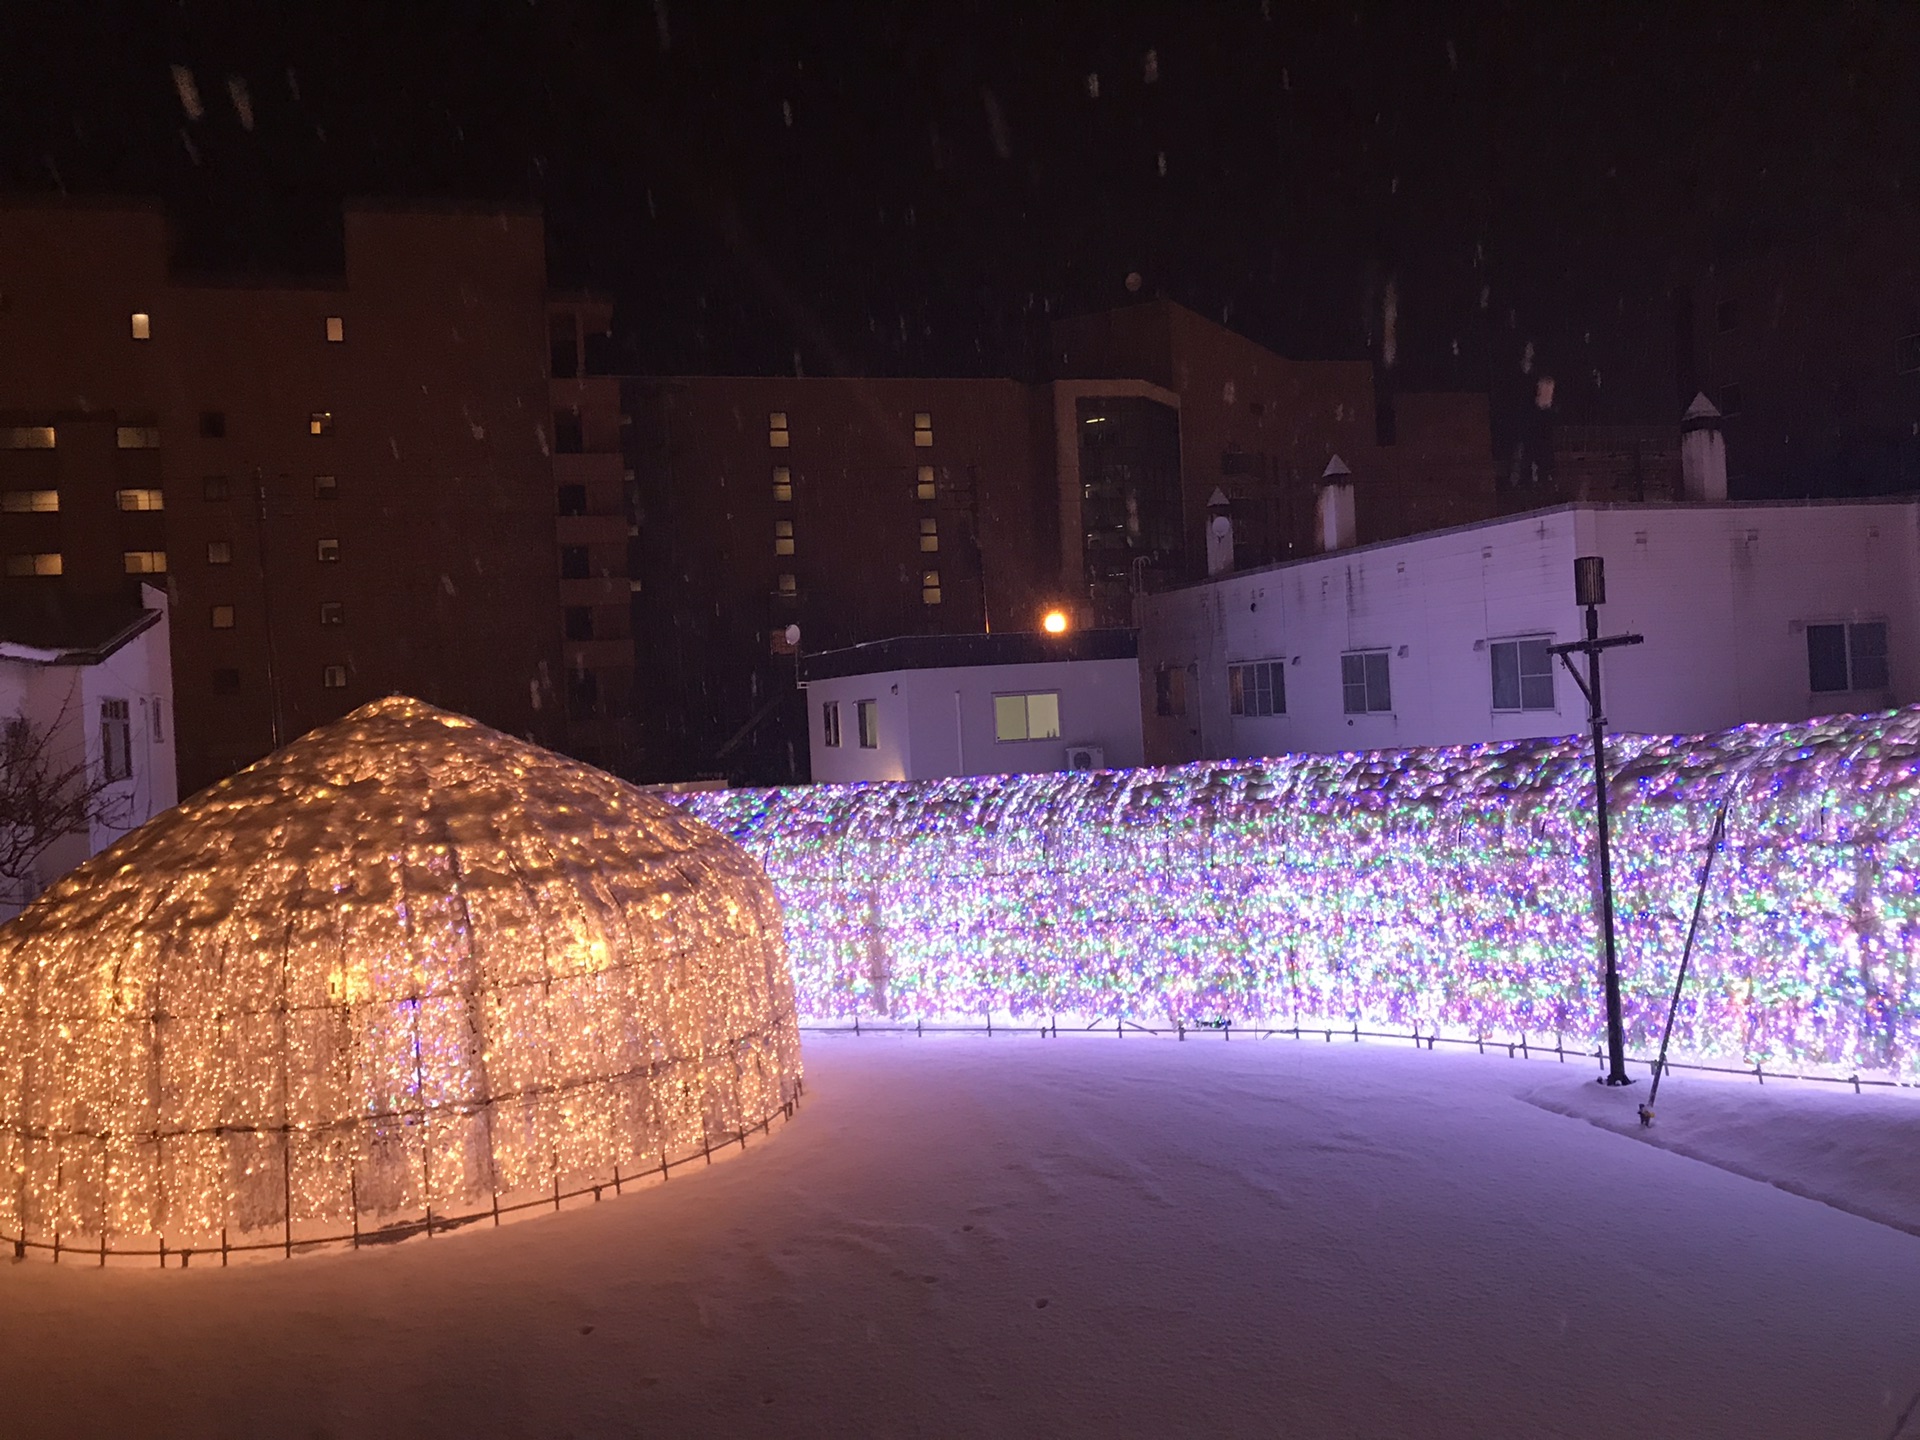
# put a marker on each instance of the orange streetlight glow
(1055, 623)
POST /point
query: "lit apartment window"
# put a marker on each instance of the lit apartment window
(783, 537)
(1258, 688)
(226, 681)
(46, 562)
(27, 437)
(782, 483)
(147, 499)
(929, 533)
(866, 714)
(219, 552)
(1847, 657)
(830, 723)
(929, 587)
(777, 434)
(334, 677)
(1169, 690)
(29, 502)
(325, 487)
(320, 422)
(116, 739)
(578, 620)
(213, 424)
(923, 430)
(327, 551)
(1522, 674)
(1027, 717)
(574, 563)
(137, 437)
(1363, 682)
(333, 612)
(144, 562)
(336, 329)
(788, 587)
(222, 617)
(217, 487)
(142, 325)
(923, 487)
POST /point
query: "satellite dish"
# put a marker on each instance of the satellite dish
(793, 636)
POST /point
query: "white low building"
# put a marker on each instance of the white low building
(87, 685)
(1750, 611)
(923, 707)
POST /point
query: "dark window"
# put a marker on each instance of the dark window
(333, 677)
(320, 422)
(583, 693)
(1726, 315)
(219, 552)
(217, 487)
(563, 341)
(1906, 354)
(1729, 400)
(1257, 689)
(327, 551)
(830, 722)
(1363, 682)
(1522, 674)
(1169, 690)
(333, 612)
(573, 562)
(573, 499)
(225, 681)
(602, 358)
(116, 739)
(1847, 657)
(325, 487)
(568, 438)
(579, 619)
(213, 425)
(867, 713)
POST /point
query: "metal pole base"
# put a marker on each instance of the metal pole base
(1616, 1080)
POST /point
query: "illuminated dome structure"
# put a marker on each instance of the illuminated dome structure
(404, 974)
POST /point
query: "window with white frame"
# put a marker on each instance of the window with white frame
(116, 739)
(830, 723)
(1847, 656)
(1032, 716)
(1522, 673)
(1364, 682)
(1258, 687)
(866, 714)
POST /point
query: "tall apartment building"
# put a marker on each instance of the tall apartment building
(348, 484)
(864, 509)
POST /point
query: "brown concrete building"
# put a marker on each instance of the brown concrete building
(862, 509)
(348, 483)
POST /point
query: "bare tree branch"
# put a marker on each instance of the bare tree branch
(45, 794)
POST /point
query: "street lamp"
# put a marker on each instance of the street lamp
(1055, 622)
(1590, 590)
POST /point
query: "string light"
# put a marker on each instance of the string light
(1448, 890)
(407, 966)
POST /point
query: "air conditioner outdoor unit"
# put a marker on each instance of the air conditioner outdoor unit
(1086, 757)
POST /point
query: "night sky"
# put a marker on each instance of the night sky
(914, 188)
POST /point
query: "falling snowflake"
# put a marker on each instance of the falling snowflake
(1093, 87)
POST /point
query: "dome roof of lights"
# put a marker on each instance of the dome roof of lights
(405, 973)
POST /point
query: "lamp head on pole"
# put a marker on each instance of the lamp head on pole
(1590, 580)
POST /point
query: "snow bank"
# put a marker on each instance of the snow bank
(1445, 889)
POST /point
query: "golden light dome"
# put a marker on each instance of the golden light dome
(405, 973)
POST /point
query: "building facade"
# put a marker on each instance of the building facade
(89, 683)
(347, 484)
(928, 707)
(1750, 611)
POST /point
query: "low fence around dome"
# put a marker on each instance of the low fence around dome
(1440, 891)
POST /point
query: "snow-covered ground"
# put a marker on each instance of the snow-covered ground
(1101, 1236)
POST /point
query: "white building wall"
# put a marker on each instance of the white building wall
(1722, 592)
(940, 722)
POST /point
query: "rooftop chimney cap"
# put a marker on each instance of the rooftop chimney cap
(1701, 409)
(1336, 469)
(1218, 500)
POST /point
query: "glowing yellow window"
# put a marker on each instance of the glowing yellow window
(929, 587)
(923, 430)
(336, 329)
(30, 502)
(142, 325)
(45, 563)
(144, 562)
(929, 533)
(782, 483)
(778, 436)
(149, 499)
(783, 537)
(923, 487)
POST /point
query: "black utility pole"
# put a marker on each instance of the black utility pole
(1590, 590)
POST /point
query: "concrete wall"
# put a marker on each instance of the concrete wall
(936, 723)
(1723, 594)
